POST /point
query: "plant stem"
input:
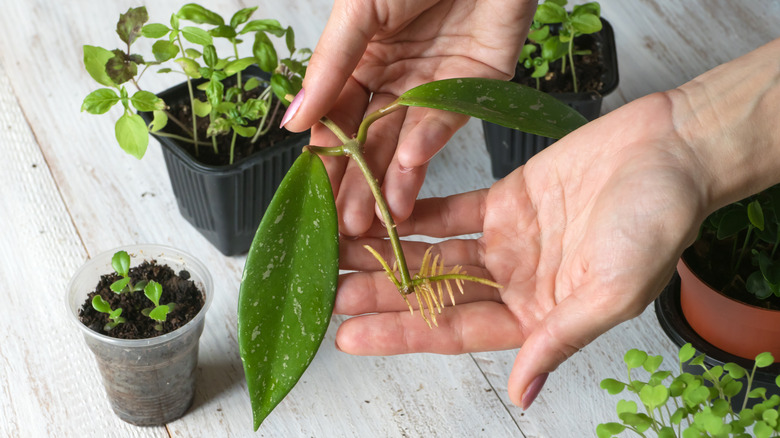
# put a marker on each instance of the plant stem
(742, 251)
(373, 117)
(232, 146)
(571, 61)
(178, 137)
(192, 103)
(265, 95)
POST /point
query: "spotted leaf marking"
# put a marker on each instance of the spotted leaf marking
(289, 285)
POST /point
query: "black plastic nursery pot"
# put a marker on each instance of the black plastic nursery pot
(226, 203)
(510, 149)
(670, 316)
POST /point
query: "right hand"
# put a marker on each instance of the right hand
(374, 50)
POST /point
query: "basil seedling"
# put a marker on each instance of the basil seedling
(114, 316)
(159, 312)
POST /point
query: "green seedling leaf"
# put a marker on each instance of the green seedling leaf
(608, 430)
(756, 215)
(155, 30)
(734, 370)
(147, 101)
(289, 39)
(264, 52)
(101, 305)
(764, 359)
(100, 101)
(265, 25)
(153, 291)
(200, 15)
(210, 57)
(686, 353)
(538, 35)
(282, 86)
(120, 262)
(550, 12)
(238, 65)
(159, 121)
(119, 285)
(223, 31)
(196, 35)
(504, 103)
(130, 24)
(95, 59)
(586, 23)
(159, 313)
(634, 358)
(190, 66)
(612, 386)
(132, 135)
(202, 109)
(164, 50)
(654, 396)
(241, 16)
(289, 285)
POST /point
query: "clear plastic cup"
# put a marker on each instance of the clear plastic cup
(148, 381)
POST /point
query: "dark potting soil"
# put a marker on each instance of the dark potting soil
(177, 288)
(590, 70)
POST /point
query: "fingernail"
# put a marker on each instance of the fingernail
(293, 108)
(533, 390)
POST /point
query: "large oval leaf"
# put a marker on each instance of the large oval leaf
(503, 103)
(289, 286)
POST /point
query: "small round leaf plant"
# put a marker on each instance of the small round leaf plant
(289, 282)
(545, 46)
(691, 405)
(182, 48)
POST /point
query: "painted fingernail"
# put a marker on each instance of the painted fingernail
(533, 390)
(293, 108)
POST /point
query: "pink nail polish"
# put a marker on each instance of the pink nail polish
(293, 108)
(533, 390)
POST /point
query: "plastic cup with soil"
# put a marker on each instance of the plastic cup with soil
(148, 372)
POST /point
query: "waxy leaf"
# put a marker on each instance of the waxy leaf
(289, 285)
(101, 305)
(504, 103)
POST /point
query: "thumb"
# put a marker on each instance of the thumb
(342, 44)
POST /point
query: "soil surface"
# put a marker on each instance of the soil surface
(589, 68)
(177, 288)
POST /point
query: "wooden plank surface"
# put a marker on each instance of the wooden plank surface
(68, 192)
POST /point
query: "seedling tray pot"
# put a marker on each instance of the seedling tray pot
(510, 149)
(226, 203)
(148, 381)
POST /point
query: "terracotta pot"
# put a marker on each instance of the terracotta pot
(732, 326)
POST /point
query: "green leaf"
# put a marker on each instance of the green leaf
(251, 83)
(202, 109)
(612, 386)
(100, 101)
(608, 430)
(541, 67)
(586, 23)
(686, 353)
(289, 284)
(652, 363)
(264, 52)
(548, 13)
(132, 135)
(147, 101)
(587, 8)
(764, 359)
(191, 67)
(265, 25)
(200, 15)
(223, 31)
(289, 40)
(101, 305)
(119, 285)
(95, 59)
(196, 35)
(734, 370)
(153, 291)
(504, 103)
(130, 24)
(164, 50)
(634, 358)
(539, 35)
(159, 313)
(245, 131)
(210, 57)
(120, 262)
(241, 16)
(159, 121)
(732, 222)
(756, 215)
(654, 396)
(215, 92)
(155, 30)
(282, 86)
(238, 65)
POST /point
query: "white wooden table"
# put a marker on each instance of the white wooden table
(68, 192)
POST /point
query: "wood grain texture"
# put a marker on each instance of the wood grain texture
(67, 191)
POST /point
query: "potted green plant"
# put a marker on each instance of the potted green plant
(572, 56)
(731, 273)
(219, 128)
(715, 401)
(290, 277)
(142, 310)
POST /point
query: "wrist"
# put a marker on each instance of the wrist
(728, 119)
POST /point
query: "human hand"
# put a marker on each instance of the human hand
(582, 238)
(371, 52)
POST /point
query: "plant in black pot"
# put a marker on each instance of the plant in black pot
(571, 56)
(219, 129)
(726, 297)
